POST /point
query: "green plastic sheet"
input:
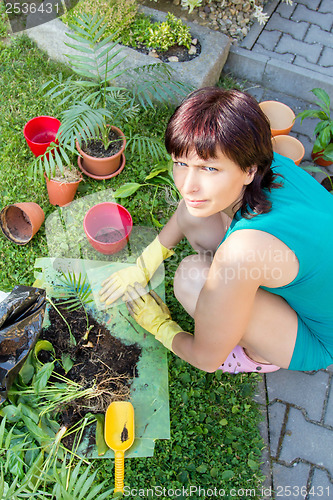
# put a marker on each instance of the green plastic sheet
(70, 251)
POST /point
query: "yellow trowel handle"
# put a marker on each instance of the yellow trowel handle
(119, 471)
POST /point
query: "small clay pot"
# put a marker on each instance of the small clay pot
(21, 221)
(288, 146)
(61, 193)
(103, 166)
(280, 116)
(317, 158)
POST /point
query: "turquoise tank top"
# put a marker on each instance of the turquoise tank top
(302, 218)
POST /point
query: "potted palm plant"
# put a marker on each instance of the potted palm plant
(322, 152)
(61, 177)
(97, 111)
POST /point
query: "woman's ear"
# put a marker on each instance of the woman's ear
(250, 174)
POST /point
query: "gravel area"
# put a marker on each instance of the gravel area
(232, 17)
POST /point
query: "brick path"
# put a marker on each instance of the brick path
(284, 60)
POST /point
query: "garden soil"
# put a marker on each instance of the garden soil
(100, 361)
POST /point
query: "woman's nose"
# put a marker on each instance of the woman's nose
(191, 181)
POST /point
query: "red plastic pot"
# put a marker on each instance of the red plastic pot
(39, 132)
(108, 227)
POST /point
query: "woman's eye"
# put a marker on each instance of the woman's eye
(210, 169)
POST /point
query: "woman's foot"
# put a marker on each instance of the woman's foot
(239, 362)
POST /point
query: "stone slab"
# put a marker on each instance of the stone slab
(201, 71)
(290, 482)
(306, 441)
(321, 486)
(276, 416)
(276, 75)
(329, 410)
(295, 387)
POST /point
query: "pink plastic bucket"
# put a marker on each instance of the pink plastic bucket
(108, 227)
(39, 132)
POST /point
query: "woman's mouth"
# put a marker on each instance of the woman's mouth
(194, 203)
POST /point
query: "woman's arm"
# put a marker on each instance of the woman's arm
(171, 233)
(224, 307)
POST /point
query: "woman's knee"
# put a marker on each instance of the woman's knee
(189, 279)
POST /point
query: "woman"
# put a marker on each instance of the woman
(260, 285)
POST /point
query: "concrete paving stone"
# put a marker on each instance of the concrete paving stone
(326, 58)
(288, 45)
(276, 416)
(268, 39)
(295, 387)
(308, 125)
(321, 486)
(307, 441)
(256, 91)
(326, 6)
(315, 33)
(303, 13)
(330, 368)
(308, 145)
(290, 481)
(289, 58)
(285, 9)
(294, 80)
(329, 410)
(245, 64)
(298, 29)
(320, 70)
(313, 4)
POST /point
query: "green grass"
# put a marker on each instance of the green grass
(215, 440)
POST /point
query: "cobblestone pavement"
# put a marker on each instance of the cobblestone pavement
(284, 60)
(292, 53)
(300, 34)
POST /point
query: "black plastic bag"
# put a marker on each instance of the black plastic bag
(21, 320)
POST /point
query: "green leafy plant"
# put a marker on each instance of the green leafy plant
(79, 294)
(168, 33)
(324, 128)
(159, 178)
(78, 483)
(93, 104)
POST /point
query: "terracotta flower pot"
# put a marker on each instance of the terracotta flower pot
(280, 116)
(288, 146)
(103, 166)
(317, 158)
(21, 221)
(61, 192)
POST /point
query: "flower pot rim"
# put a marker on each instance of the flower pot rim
(64, 182)
(122, 136)
(111, 246)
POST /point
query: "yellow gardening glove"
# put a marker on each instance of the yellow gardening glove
(146, 265)
(150, 312)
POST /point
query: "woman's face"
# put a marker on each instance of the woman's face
(210, 186)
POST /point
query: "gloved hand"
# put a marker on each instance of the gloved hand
(150, 312)
(146, 265)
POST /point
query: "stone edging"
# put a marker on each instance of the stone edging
(199, 72)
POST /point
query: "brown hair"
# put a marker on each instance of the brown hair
(230, 120)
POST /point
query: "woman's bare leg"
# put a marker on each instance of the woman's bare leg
(271, 333)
